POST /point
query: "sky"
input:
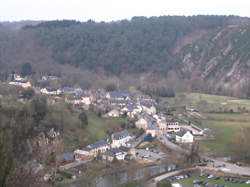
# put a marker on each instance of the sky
(112, 10)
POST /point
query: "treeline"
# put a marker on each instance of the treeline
(53, 24)
(129, 46)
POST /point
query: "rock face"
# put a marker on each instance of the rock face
(224, 58)
(44, 144)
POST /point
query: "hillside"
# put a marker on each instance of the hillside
(201, 53)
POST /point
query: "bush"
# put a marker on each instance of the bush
(164, 183)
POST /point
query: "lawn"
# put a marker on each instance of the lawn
(189, 182)
(98, 127)
(207, 102)
(224, 133)
(228, 117)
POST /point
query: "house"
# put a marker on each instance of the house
(151, 130)
(119, 139)
(173, 126)
(92, 150)
(22, 83)
(86, 99)
(50, 91)
(73, 99)
(184, 136)
(144, 121)
(118, 95)
(49, 77)
(114, 153)
(148, 107)
(34, 166)
(18, 77)
(131, 110)
(63, 159)
(168, 126)
(113, 113)
(69, 90)
(159, 117)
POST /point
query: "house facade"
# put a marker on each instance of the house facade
(168, 126)
(114, 153)
(184, 136)
(22, 83)
(119, 139)
(50, 91)
(92, 150)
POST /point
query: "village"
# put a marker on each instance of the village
(148, 114)
(156, 120)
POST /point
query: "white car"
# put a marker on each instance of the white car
(210, 176)
(248, 182)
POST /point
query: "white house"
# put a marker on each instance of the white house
(86, 99)
(131, 110)
(18, 77)
(50, 91)
(118, 95)
(119, 139)
(92, 150)
(184, 136)
(113, 113)
(117, 153)
(22, 83)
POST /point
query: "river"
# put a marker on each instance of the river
(112, 180)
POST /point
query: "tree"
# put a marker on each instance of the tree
(240, 147)
(193, 156)
(39, 107)
(110, 87)
(28, 93)
(26, 69)
(84, 119)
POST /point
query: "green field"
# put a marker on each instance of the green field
(225, 125)
(98, 127)
(224, 134)
(189, 182)
(206, 102)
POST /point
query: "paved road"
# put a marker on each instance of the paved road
(226, 167)
(154, 181)
(149, 155)
(163, 139)
(138, 140)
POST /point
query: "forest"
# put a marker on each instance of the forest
(131, 46)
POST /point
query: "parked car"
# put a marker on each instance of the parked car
(210, 176)
(217, 178)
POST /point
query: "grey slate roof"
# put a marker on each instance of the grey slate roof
(120, 135)
(98, 144)
(95, 145)
(116, 94)
(181, 133)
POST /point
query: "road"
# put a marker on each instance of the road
(226, 167)
(163, 139)
(138, 140)
(154, 181)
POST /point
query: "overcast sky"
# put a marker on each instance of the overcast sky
(108, 10)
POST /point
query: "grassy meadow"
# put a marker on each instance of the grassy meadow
(224, 124)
